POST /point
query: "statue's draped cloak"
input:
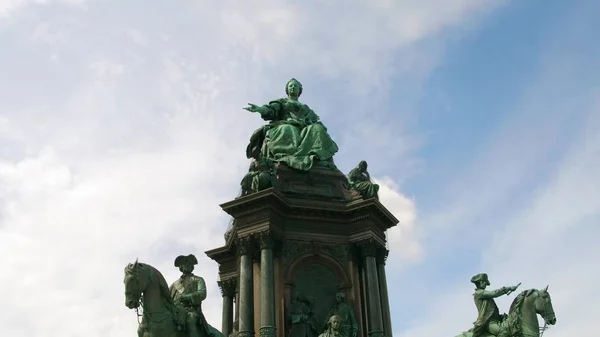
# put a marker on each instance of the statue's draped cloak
(362, 183)
(294, 135)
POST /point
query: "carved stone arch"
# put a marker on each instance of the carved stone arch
(320, 277)
(325, 259)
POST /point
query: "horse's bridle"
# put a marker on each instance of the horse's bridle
(545, 312)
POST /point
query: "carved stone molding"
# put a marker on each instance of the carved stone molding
(292, 250)
(245, 334)
(338, 251)
(228, 287)
(375, 333)
(267, 331)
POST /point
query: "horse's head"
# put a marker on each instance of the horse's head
(136, 281)
(543, 306)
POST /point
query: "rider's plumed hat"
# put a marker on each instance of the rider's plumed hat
(185, 259)
(480, 277)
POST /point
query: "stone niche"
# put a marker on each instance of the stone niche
(319, 273)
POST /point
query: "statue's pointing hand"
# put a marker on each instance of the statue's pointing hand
(252, 107)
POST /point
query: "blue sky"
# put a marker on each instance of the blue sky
(479, 119)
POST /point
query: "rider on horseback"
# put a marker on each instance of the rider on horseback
(188, 292)
(489, 319)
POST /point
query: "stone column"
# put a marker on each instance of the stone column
(385, 300)
(246, 305)
(228, 287)
(267, 285)
(369, 252)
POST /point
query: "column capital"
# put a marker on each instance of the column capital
(245, 245)
(266, 239)
(382, 255)
(228, 287)
(369, 247)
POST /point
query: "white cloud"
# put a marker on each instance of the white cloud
(117, 150)
(402, 240)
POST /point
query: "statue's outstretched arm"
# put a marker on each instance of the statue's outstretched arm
(487, 294)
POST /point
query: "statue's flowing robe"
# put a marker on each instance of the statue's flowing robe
(361, 181)
(195, 287)
(295, 136)
(486, 308)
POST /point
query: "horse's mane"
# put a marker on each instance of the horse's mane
(516, 309)
(162, 283)
(517, 303)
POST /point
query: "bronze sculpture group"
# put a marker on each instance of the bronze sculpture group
(174, 311)
(297, 138)
(341, 320)
(521, 320)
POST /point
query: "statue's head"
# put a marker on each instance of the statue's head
(481, 280)
(293, 88)
(186, 263)
(362, 166)
(334, 322)
(135, 284)
(340, 297)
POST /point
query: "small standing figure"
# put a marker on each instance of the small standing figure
(188, 292)
(302, 318)
(360, 180)
(343, 310)
(489, 319)
(333, 327)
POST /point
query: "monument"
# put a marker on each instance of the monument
(305, 255)
(307, 243)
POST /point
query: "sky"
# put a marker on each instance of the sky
(122, 130)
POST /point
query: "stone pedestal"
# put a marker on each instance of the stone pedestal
(307, 235)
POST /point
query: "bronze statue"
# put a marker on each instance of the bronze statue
(145, 287)
(333, 327)
(360, 181)
(188, 292)
(343, 309)
(295, 134)
(303, 323)
(258, 177)
(521, 320)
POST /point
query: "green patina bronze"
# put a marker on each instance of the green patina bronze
(360, 181)
(168, 312)
(259, 177)
(521, 320)
(333, 329)
(344, 312)
(302, 319)
(294, 136)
